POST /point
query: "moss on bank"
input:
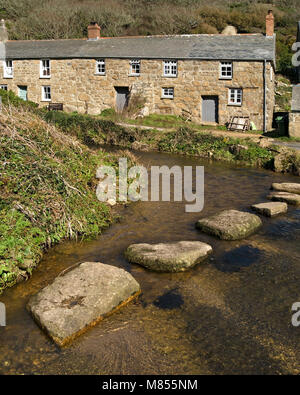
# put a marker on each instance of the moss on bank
(47, 191)
(184, 140)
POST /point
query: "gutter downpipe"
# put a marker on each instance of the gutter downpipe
(265, 97)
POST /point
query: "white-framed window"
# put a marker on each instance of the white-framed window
(4, 87)
(226, 70)
(167, 93)
(135, 67)
(45, 68)
(235, 96)
(100, 66)
(8, 69)
(170, 68)
(46, 93)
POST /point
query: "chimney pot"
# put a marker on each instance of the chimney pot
(270, 24)
(94, 31)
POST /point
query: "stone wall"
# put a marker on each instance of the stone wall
(294, 124)
(75, 83)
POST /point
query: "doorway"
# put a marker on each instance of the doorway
(122, 97)
(22, 92)
(210, 109)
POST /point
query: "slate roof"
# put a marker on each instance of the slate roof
(296, 98)
(209, 47)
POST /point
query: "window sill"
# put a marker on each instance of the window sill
(170, 76)
(46, 101)
(8, 77)
(101, 74)
(225, 78)
(43, 77)
(234, 105)
(134, 75)
(168, 98)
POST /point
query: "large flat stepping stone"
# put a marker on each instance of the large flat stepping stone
(168, 257)
(287, 187)
(79, 299)
(270, 209)
(230, 224)
(289, 198)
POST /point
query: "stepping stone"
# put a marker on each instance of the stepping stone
(168, 257)
(270, 209)
(81, 298)
(289, 198)
(230, 224)
(287, 187)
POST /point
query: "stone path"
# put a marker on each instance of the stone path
(83, 296)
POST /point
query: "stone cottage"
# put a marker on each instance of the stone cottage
(211, 77)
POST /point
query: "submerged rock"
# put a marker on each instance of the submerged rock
(289, 198)
(287, 187)
(168, 257)
(230, 224)
(270, 209)
(80, 298)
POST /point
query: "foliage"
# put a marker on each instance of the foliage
(187, 141)
(55, 19)
(9, 98)
(47, 190)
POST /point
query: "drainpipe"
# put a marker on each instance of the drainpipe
(265, 97)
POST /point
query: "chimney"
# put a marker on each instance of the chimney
(3, 32)
(270, 24)
(94, 31)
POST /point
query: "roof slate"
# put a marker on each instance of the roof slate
(209, 47)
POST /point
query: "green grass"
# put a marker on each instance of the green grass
(157, 121)
(47, 191)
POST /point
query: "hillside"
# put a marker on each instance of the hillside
(33, 19)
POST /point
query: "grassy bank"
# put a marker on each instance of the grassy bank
(47, 190)
(184, 140)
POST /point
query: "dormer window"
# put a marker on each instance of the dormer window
(45, 69)
(8, 69)
(170, 68)
(226, 71)
(135, 67)
(100, 66)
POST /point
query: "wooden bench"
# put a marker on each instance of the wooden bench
(55, 107)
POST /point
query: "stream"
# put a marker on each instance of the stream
(228, 315)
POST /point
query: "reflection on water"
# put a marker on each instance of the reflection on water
(230, 314)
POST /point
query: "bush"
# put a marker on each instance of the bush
(9, 98)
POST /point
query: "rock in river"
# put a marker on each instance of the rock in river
(289, 198)
(230, 224)
(168, 257)
(80, 298)
(287, 187)
(270, 209)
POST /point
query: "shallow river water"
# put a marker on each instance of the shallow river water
(230, 314)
